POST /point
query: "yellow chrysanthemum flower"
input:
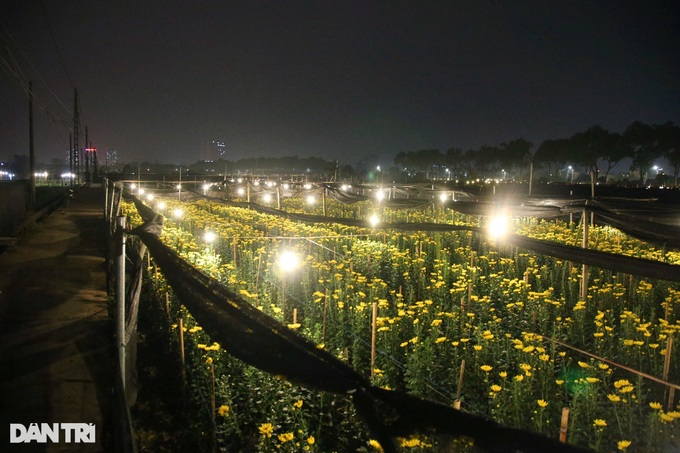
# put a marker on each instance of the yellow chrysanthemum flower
(266, 429)
(286, 437)
(375, 444)
(623, 444)
(599, 423)
(223, 411)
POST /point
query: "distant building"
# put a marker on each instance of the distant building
(111, 158)
(212, 150)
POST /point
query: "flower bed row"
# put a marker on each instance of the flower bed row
(512, 318)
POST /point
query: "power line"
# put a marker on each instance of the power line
(22, 78)
(56, 46)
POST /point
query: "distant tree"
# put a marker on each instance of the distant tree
(669, 141)
(642, 141)
(469, 162)
(486, 159)
(597, 145)
(613, 150)
(455, 161)
(588, 146)
(553, 155)
(404, 160)
(515, 155)
(422, 160)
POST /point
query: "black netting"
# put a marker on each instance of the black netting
(596, 258)
(261, 341)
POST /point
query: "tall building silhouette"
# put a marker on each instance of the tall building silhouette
(212, 150)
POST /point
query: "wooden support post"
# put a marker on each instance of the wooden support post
(374, 325)
(666, 369)
(564, 424)
(213, 409)
(584, 244)
(456, 403)
(180, 325)
(257, 276)
(234, 253)
(325, 311)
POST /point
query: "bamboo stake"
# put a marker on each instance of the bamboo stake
(469, 292)
(584, 244)
(213, 439)
(374, 326)
(564, 424)
(257, 276)
(456, 403)
(167, 304)
(294, 315)
(234, 254)
(666, 369)
(181, 348)
(325, 311)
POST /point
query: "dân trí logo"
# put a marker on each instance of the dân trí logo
(53, 432)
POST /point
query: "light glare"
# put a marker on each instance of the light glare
(498, 226)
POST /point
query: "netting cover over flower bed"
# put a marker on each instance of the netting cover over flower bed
(261, 341)
(647, 220)
(656, 232)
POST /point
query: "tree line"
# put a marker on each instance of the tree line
(594, 150)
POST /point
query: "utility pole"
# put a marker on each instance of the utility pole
(70, 154)
(94, 159)
(31, 150)
(76, 127)
(87, 157)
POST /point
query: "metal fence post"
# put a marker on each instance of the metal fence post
(120, 294)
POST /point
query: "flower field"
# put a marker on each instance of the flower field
(452, 317)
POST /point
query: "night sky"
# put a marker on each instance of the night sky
(343, 79)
